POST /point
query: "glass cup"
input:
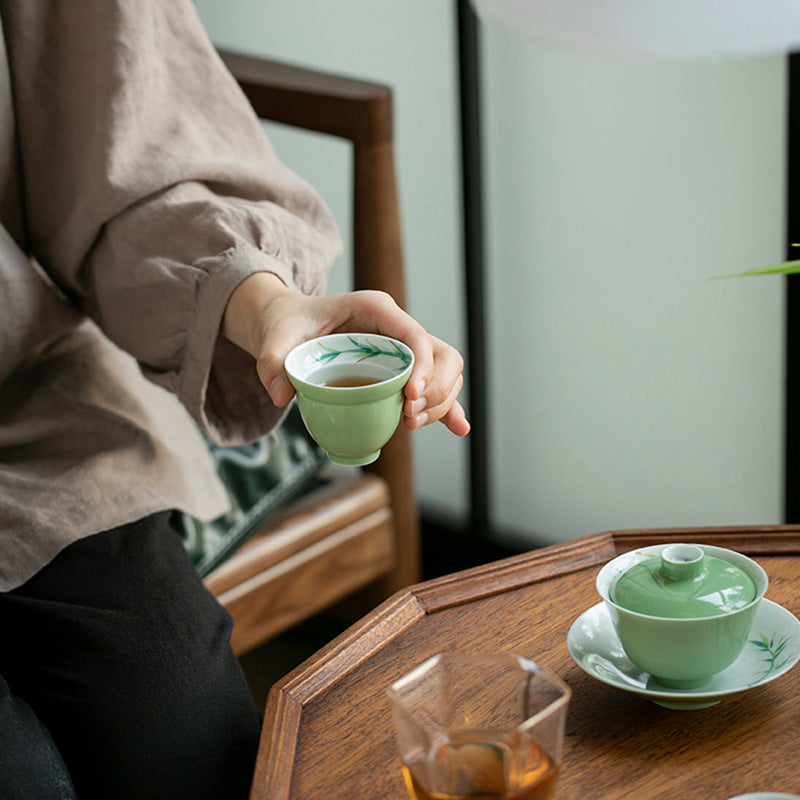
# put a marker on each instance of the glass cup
(479, 726)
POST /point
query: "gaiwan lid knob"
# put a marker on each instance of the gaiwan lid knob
(683, 582)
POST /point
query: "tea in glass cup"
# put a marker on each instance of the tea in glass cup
(479, 727)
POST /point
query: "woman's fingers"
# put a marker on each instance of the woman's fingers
(276, 383)
(456, 420)
(439, 400)
(449, 411)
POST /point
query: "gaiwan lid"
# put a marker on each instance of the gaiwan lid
(683, 582)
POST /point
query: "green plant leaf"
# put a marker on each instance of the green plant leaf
(784, 268)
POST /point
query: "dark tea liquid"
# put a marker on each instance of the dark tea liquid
(470, 769)
(350, 380)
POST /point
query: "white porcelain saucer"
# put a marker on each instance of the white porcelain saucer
(772, 648)
(766, 796)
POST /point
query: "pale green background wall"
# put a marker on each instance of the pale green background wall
(627, 388)
(644, 393)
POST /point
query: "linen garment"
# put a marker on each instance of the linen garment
(137, 190)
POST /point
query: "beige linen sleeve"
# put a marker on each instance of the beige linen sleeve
(151, 191)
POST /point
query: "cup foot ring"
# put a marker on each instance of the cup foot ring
(354, 461)
(676, 683)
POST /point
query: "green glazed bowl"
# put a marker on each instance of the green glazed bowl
(351, 422)
(682, 652)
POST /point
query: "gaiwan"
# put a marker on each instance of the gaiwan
(682, 612)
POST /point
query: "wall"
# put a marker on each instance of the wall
(630, 389)
(627, 387)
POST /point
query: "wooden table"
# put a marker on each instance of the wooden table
(328, 731)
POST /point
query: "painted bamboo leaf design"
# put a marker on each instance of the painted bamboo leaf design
(365, 349)
(771, 649)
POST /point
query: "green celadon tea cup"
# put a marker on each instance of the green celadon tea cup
(349, 390)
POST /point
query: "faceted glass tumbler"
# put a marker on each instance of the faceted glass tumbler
(477, 726)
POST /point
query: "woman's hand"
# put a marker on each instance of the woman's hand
(267, 319)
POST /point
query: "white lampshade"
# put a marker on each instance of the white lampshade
(663, 28)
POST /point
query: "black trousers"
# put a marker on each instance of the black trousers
(117, 680)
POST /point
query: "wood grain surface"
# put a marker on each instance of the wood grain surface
(328, 728)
